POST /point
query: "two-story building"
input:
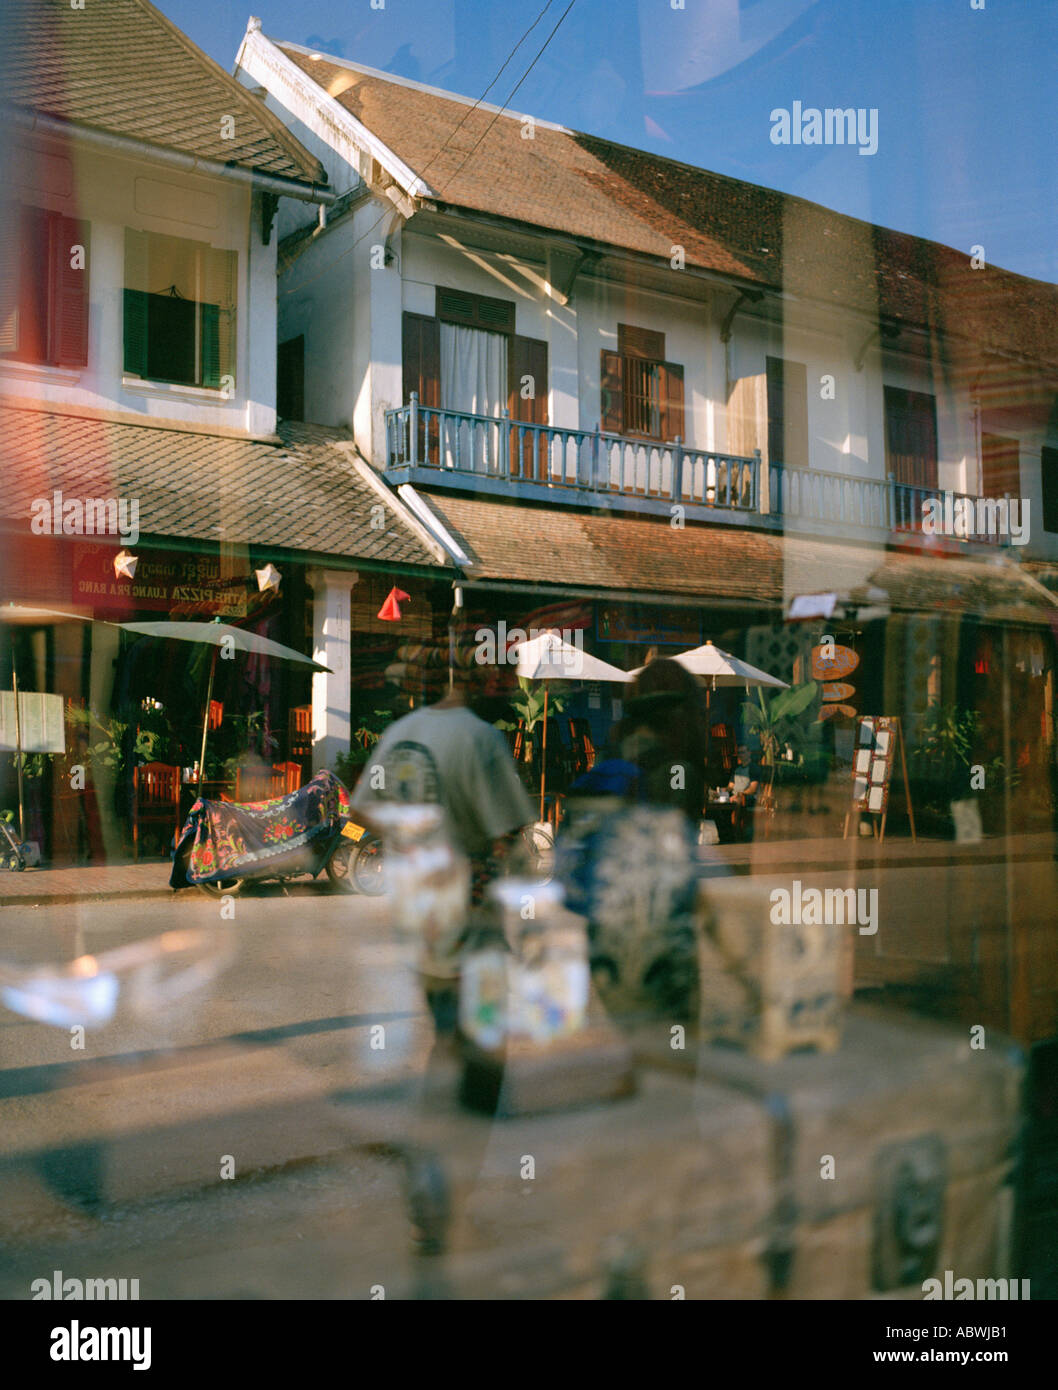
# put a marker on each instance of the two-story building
(660, 404)
(138, 372)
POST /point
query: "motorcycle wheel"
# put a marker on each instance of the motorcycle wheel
(369, 868)
(340, 867)
(225, 888)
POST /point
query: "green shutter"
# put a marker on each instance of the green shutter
(210, 345)
(135, 359)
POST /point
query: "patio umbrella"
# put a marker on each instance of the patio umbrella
(549, 658)
(215, 634)
(717, 667)
(721, 668)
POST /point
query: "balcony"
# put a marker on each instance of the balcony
(486, 454)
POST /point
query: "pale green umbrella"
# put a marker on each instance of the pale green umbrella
(217, 635)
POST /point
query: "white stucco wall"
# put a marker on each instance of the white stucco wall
(113, 193)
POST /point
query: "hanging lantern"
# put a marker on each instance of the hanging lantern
(268, 578)
(125, 564)
(390, 611)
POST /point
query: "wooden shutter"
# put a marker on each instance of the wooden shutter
(135, 333)
(672, 425)
(911, 436)
(1000, 466)
(422, 359)
(421, 348)
(527, 357)
(1049, 479)
(219, 292)
(611, 376)
(640, 342)
(210, 345)
(10, 251)
(68, 315)
(746, 415)
(787, 412)
(475, 310)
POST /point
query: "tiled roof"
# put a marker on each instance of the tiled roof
(628, 198)
(567, 549)
(121, 67)
(571, 550)
(301, 495)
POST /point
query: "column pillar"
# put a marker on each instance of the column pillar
(331, 639)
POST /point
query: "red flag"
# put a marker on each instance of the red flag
(389, 612)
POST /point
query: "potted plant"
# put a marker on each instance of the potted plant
(782, 720)
(528, 705)
(947, 789)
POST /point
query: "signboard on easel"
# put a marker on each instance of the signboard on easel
(879, 740)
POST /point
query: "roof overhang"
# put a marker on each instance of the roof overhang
(36, 122)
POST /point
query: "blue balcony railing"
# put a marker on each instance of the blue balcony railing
(496, 454)
(486, 447)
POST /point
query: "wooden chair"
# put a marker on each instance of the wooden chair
(291, 775)
(257, 784)
(299, 734)
(156, 799)
(723, 749)
(581, 745)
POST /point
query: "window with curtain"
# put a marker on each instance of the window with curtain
(179, 310)
(473, 370)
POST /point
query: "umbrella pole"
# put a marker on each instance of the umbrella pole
(18, 753)
(543, 756)
(205, 720)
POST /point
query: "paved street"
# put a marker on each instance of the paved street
(164, 1096)
(245, 1142)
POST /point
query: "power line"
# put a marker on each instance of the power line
(510, 94)
(309, 280)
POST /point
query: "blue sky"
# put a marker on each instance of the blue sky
(965, 97)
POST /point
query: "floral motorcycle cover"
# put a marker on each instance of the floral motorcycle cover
(230, 840)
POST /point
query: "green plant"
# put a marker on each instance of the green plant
(781, 720)
(528, 705)
(944, 752)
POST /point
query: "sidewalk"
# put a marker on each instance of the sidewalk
(150, 878)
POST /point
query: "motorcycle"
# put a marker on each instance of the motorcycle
(225, 844)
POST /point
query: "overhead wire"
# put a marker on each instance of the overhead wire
(451, 134)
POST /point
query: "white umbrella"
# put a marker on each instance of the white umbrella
(717, 667)
(549, 658)
(721, 668)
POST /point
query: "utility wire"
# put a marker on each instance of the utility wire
(349, 249)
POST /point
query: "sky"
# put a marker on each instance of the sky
(961, 91)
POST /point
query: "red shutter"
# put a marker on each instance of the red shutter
(68, 328)
(672, 402)
(527, 357)
(611, 420)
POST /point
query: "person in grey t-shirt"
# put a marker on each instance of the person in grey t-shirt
(443, 753)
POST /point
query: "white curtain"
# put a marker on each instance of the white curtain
(473, 380)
